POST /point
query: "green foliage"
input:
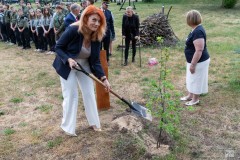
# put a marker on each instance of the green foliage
(8, 131)
(57, 141)
(234, 76)
(162, 98)
(229, 3)
(45, 108)
(16, 100)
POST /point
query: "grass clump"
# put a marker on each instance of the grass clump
(53, 143)
(8, 131)
(45, 108)
(129, 147)
(16, 100)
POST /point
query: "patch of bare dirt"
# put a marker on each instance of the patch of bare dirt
(136, 126)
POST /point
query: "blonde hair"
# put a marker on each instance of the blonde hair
(83, 28)
(194, 18)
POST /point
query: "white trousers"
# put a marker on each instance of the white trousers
(70, 101)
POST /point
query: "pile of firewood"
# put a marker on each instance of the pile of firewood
(157, 26)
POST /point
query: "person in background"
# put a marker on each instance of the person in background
(58, 22)
(83, 5)
(80, 43)
(28, 7)
(33, 22)
(68, 7)
(38, 5)
(1, 24)
(64, 10)
(73, 16)
(198, 59)
(130, 32)
(14, 31)
(90, 2)
(110, 28)
(112, 38)
(23, 25)
(6, 23)
(40, 31)
(47, 28)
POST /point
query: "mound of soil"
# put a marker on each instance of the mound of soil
(145, 132)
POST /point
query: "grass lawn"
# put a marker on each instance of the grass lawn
(30, 95)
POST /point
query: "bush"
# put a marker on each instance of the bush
(229, 3)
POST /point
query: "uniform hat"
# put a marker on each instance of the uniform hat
(106, 3)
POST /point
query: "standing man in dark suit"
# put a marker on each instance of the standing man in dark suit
(73, 16)
(130, 32)
(110, 28)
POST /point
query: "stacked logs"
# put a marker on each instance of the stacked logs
(157, 26)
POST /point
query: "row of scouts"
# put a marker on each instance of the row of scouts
(41, 25)
(44, 25)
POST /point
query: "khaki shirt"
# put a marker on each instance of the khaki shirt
(7, 16)
(13, 18)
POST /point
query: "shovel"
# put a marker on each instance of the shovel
(135, 107)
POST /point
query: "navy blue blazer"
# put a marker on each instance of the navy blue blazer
(110, 25)
(69, 46)
(69, 19)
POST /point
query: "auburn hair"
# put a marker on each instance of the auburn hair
(83, 28)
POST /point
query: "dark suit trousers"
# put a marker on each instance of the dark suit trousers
(105, 44)
(127, 42)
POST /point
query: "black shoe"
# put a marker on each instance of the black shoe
(125, 63)
(133, 60)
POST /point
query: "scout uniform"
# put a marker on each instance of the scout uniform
(40, 34)
(15, 34)
(22, 22)
(46, 23)
(6, 23)
(33, 27)
(58, 24)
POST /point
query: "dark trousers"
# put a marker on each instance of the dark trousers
(8, 29)
(127, 42)
(18, 37)
(105, 45)
(35, 39)
(50, 39)
(41, 39)
(25, 38)
(12, 36)
(4, 32)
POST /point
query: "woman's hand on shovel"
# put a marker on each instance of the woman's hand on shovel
(72, 63)
(107, 84)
